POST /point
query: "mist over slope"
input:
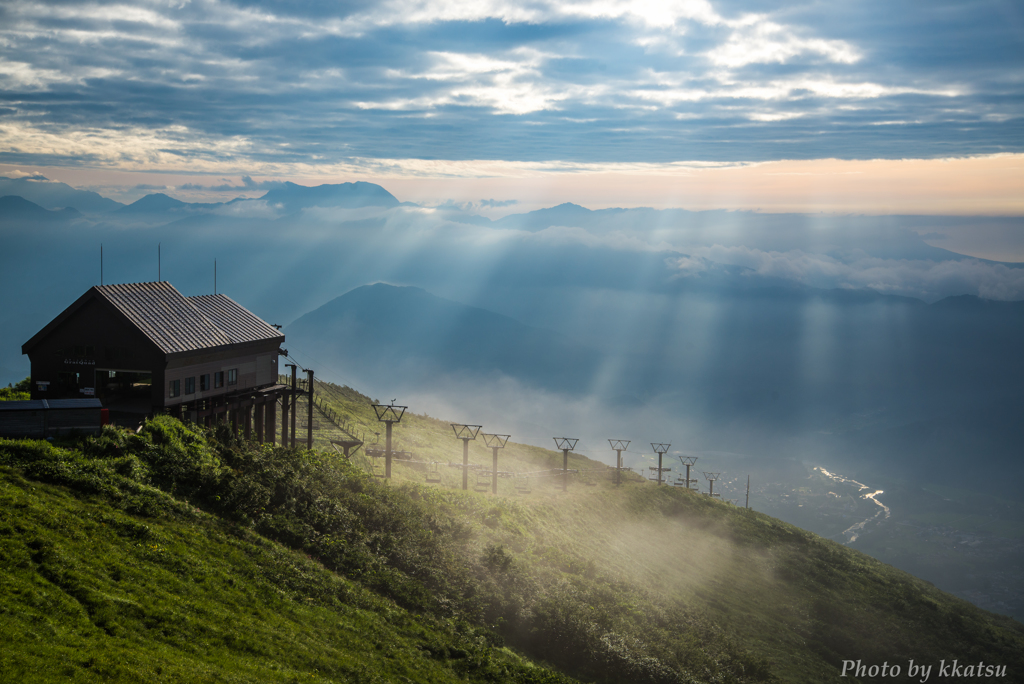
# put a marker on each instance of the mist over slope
(176, 529)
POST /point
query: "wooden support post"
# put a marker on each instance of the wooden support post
(309, 430)
(260, 432)
(271, 422)
(295, 402)
(284, 419)
(248, 422)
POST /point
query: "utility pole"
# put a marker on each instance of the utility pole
(619, 446)
(711, 477)
(495, 442)
(566, 444)
(661, 450)
(748, 492)
(389, 414)
(466, 433)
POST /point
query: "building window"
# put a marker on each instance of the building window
(190, 385)
(204, 382)
(174, 389)
(233, 376)
(218, 379)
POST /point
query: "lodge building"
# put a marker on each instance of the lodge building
(144, 348)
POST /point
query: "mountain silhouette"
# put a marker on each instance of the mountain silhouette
(350, 195)
(14, 208)
(409, 334)
(154, 203)
(53, 195)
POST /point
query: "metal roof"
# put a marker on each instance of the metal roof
(234, 320)
(163, 315)
(172, 322)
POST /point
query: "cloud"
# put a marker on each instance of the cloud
(923, 279)
(493, 203)
(24, 175)
(247, 184)
(213, 86)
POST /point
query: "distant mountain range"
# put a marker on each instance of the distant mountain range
(53, 195)
(18, 209)
(161, 208)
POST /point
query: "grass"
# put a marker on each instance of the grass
(94, 594)
(179, 546)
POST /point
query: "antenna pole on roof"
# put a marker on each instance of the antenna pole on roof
(214, 276)
(158, 278)
(101, 263)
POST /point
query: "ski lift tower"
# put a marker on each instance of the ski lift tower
(711, 477)
(619, 445)
(495, 442)
(688, 461)
(465, 433)
(389, 414)
(566, 444)
(661, 450)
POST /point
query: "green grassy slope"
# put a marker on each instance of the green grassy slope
(90, 592)
(177, 550)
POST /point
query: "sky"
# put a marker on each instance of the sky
(869, 107)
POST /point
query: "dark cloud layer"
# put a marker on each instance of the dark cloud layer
(291, 82)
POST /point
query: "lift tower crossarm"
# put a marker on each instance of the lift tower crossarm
(465, 433)
(389, 414)
(618, 445)
(660, 449)
(495, 442)
(711, 477)
(688, 461)
(566, 444)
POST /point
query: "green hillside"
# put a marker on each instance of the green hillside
(179, 554)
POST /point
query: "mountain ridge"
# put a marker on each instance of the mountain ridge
(442, 334)
(55, 195)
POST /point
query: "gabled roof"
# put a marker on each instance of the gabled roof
(234, 320)
(163, 315)
(173, 322)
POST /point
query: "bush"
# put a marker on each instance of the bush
(20, 391)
